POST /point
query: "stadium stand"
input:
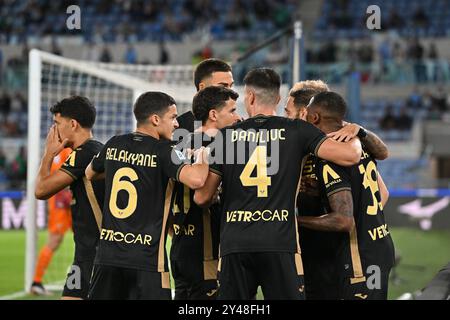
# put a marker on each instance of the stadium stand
(346, 18)
(146, 20)
(172, 21)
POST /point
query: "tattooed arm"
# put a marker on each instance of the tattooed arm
(372, 142)
(375, 146)
(340, 219)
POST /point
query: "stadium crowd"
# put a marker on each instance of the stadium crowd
(403, 55)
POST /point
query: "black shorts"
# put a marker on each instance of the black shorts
(78, 278)
(280, 275)
(190, 283)
(321, 282)
(372, 287)
(200, 290)
(117, 283)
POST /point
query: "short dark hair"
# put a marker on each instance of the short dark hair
(332, 104)
(78, 108)
(211, 98)
(207, 67)
(302, 97)
(266, 79)
(151, 102)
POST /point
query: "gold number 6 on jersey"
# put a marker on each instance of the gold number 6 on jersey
(118, 185)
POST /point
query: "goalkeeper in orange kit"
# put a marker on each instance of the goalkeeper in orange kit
(59, 221)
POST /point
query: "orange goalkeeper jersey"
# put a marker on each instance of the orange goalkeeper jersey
(59, 214)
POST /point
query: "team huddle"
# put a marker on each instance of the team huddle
(293, 205)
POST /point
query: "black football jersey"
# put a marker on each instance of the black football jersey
(316, 246)
(195, 237)
(259, 160)
(87, 199)
(137, 171)
(370, 242)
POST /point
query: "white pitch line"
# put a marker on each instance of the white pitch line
(14, 295)
(20, 294)
(54, 286)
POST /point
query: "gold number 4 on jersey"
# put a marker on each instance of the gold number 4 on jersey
(258, 159)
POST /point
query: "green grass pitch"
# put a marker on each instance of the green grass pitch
(423, 254)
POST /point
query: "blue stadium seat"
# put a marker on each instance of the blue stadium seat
(356, 9)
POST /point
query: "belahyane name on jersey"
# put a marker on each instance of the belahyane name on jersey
(138, 159)
(260, 136)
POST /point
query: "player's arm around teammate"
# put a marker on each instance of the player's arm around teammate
(204, 196)
(194, 175)
(340, 219)
(372, 142)
(344, 154)
(296, 108)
